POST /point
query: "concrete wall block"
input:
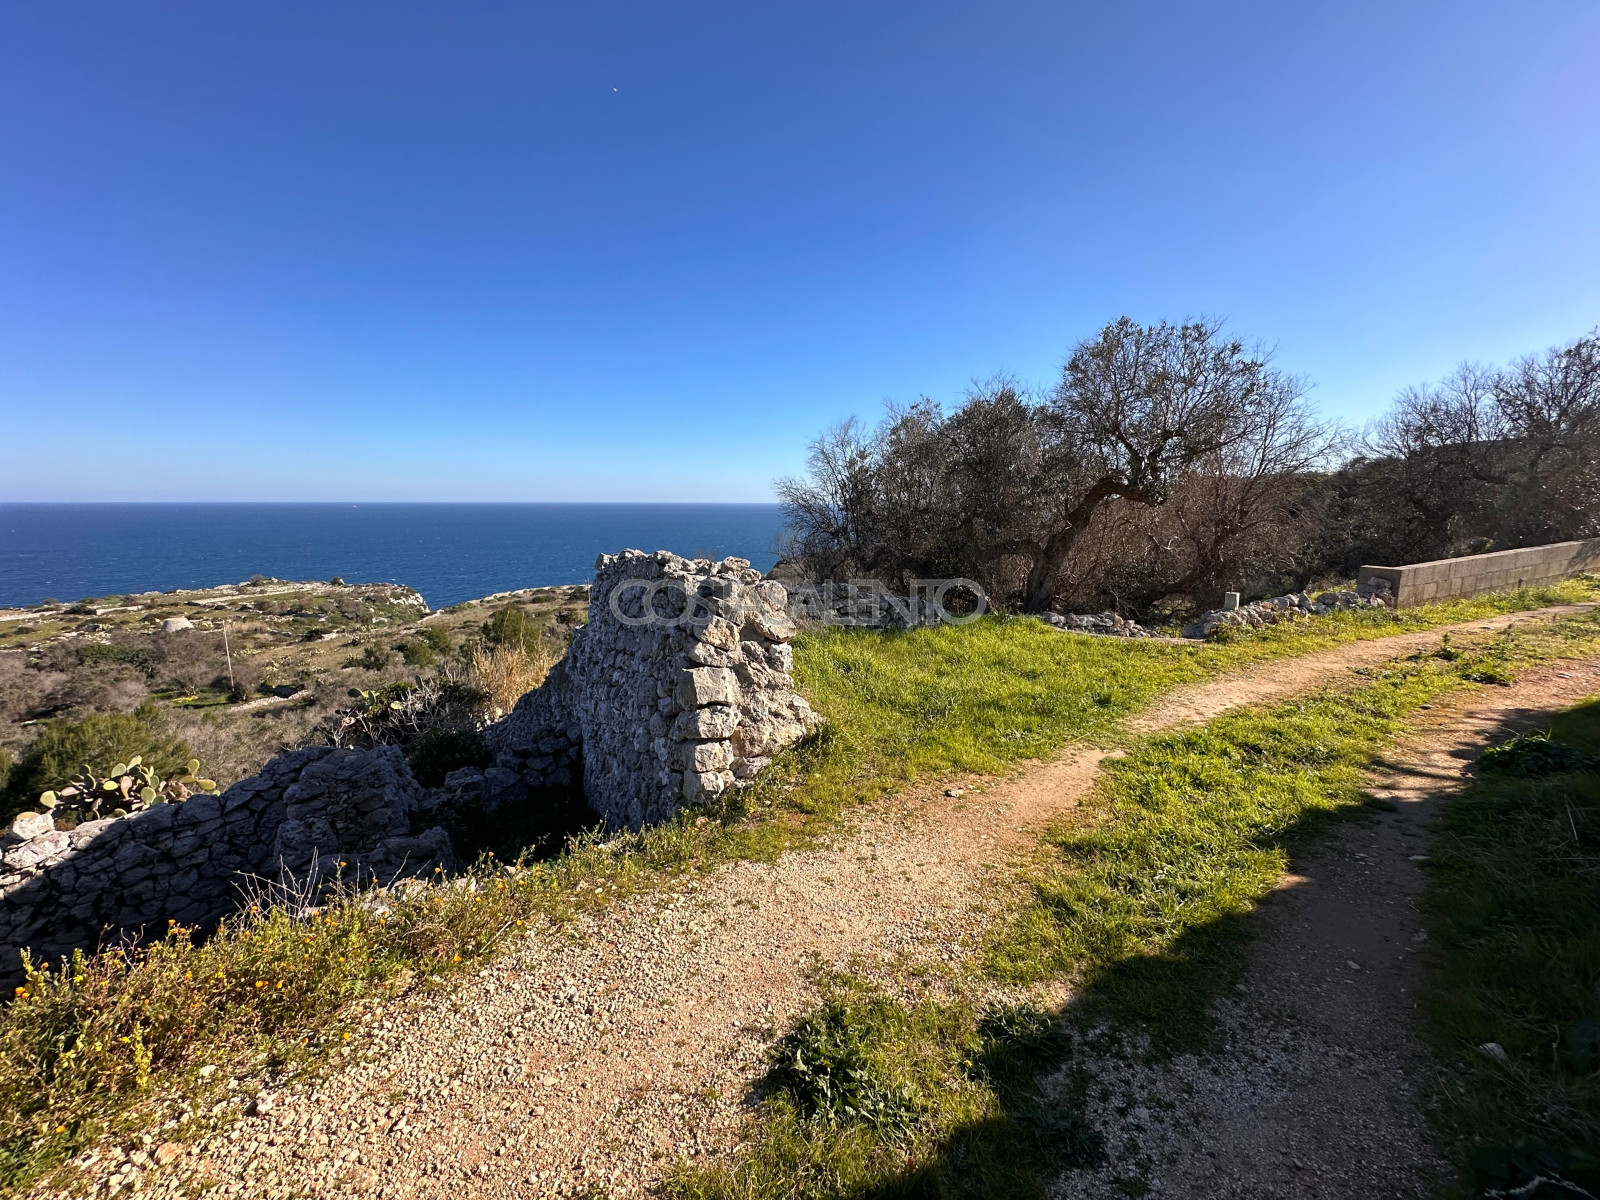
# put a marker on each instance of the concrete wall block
(1474, 575)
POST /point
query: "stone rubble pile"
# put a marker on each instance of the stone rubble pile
(1107, 624)
(1375, 593)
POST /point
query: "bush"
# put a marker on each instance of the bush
(373, 658)
(512, 625)
(402, 714)
(440, 751)
(63, 748)
(94, 654)
(436, 637)
(245, 681)
(417, 654)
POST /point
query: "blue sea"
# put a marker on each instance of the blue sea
(448, 552)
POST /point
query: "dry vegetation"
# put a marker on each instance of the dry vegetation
(263, 668)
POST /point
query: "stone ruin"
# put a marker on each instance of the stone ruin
(1106, 624)
(677, 690)
(671, 704)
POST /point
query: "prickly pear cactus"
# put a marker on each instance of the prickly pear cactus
(129, 787)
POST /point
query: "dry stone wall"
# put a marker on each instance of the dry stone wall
(1292, 606)
(677, 689)
(307, 813)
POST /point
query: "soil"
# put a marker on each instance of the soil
(595, 1057)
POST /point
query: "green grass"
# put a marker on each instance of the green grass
(115, 1044)
(976, 698)
(1513, 905)
(1143, 901)
(904, 1099)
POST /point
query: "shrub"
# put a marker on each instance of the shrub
(402, 714)
(512, 625)
(437, 637)
(246, 681)
(373, 658)
(440, 751)
(99, 741)
(417, 654)
(94, 654)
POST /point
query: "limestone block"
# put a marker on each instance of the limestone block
(708, 785)
(32, 825)
(714, 721)
(700, 686)
(700, 757)
(776, 627)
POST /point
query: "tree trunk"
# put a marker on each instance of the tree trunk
(1039, 590)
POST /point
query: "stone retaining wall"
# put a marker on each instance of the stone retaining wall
(1423, 583)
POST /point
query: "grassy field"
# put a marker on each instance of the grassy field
(1514, 910)
(1142, 903)
(118, 1043)
(931, 702)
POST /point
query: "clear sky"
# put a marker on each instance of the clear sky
(644, 251)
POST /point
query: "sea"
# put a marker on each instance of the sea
(448, 552)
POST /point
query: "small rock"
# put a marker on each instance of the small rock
(1495, 1051)
(168, 1151)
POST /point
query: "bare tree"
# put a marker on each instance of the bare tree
(1496, 457)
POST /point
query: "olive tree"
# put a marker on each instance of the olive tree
(1005, 487)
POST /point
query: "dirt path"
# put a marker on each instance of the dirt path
(1319, 1091)
(598, 1056)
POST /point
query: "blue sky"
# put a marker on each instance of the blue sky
(645, 251)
